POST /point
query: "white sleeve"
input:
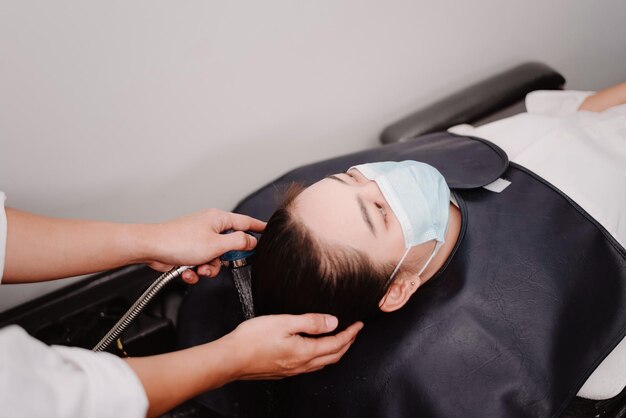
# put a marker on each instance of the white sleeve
(3, 233)
(555, 102)
(64, 382)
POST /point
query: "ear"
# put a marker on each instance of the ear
(399, 293)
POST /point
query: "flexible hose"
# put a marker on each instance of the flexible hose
(138, 306)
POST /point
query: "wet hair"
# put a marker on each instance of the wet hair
(296, 272)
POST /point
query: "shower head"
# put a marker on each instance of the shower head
(236, 259)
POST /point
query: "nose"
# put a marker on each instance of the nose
(371, 190)
(368, 188)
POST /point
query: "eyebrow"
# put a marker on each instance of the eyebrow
(334, 177)
(364, 212)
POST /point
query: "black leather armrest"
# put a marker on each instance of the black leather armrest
(476, 101)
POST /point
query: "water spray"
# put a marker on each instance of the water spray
(239, 264)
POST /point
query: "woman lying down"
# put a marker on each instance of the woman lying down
(365, 241)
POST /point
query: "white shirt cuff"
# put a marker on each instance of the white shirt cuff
(64, 382)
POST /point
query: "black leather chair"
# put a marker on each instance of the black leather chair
(80, 314)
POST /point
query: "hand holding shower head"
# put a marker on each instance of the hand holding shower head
(236, 258)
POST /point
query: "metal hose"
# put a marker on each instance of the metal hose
(138, 306)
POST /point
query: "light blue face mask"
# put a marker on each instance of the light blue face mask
(419, 197)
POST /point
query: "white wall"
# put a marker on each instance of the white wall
(145, 110)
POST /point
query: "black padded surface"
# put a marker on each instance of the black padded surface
(503, 330)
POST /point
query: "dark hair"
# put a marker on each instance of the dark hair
(296, 272)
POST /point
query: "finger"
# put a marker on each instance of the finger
(335, 343)
(311, 323)
(204, 270)
(211, 269)
(240, 222)
(318, 363)
(236, 241)
(190, 277)
(160, 266)
(214, 266)
(323, 361)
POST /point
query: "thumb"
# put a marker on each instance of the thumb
(239, 241)
(313, 323)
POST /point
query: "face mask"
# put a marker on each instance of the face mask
(419, 197)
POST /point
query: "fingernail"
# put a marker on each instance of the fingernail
(331, 321)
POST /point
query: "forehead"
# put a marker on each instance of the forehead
(330, 208)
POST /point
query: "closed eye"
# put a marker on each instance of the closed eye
(358, 177)
(382, 211)
(364, 212)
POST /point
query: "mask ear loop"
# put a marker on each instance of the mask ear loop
(398, 266)
(432, 255)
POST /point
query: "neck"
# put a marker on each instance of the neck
(452, 236)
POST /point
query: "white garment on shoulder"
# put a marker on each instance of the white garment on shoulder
(3, 233)
(584, 155)
(62, 382)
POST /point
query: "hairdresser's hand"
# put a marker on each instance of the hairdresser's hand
(270, 347)
(196, 240)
